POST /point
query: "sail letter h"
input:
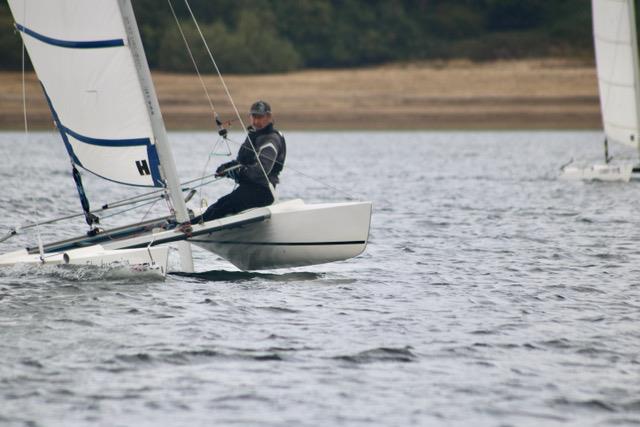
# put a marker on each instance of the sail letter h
(143, 167)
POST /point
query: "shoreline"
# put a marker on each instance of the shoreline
(456, 95)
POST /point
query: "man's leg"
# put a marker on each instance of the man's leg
(240, 199)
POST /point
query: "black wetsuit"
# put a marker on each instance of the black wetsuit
(253, 189)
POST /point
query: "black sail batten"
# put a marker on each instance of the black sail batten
(86, 207)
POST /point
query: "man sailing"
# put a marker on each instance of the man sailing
(259, 162)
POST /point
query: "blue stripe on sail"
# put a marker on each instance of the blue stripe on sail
(65, 132)
(93, 44)
(61, 129)
(152, 154)
(108, 142)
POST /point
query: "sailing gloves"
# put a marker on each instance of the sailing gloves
(230, 170)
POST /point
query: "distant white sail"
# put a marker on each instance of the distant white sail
(81, 54)
(617, 61)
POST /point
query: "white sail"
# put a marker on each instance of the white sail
(81, 54)
(617, 62)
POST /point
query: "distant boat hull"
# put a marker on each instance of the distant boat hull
(610, 172)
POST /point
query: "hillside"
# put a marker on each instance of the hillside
(539, 94)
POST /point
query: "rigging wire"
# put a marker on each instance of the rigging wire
(132, 199)
(26, 125)
(152, 195)
(312, 178)
(206, 91)
(193, 60)
(150, 202)
(213, 61)
(233, 104)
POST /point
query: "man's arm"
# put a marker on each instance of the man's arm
(267, 154)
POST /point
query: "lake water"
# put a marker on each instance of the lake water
(491, 293)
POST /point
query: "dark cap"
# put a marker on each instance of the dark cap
(260, 108)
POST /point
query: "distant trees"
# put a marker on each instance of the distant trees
(249, 47)
(249, 36)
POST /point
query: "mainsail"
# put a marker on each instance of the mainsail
(616, 49)
(81, 54)
(89, 59)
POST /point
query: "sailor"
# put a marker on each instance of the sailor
(254, 175)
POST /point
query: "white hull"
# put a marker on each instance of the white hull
(295, 235)
(600, 172)
(153, 258)
(287, 234)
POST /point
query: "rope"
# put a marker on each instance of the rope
(206, 91)
(233, 104)
(131, 200)
(24, 85)
(151, 202)
(244, 128)
(348, 195)
(148, 210)
(204, 170)
(26, 125)
(193, 60)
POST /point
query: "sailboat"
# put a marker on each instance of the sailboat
(89, 58)
(616, 48)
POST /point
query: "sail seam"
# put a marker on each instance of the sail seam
(616, 84)
(619, 126)
(608, 40)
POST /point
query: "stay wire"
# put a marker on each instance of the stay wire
(312, 178)
(233, 104)
(193, 59)
(26, 123)
(150, 202)
(124, 202)
(206, 91)
(235, 108)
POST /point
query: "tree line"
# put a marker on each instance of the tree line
(266, 36)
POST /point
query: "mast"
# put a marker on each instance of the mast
(167, 164)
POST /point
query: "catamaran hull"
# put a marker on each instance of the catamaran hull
(147, 259)
(287, 234)
(294, 235)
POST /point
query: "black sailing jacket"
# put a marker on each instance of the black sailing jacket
(271, 148)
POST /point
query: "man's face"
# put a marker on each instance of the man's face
(258, 122)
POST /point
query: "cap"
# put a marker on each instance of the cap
(260, 108)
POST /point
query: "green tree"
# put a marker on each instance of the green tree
(243, 50)
(280, 35)
(307, 24)
(10, 42)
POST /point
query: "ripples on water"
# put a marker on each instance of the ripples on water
(490, 294)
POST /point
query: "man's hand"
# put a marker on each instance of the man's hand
(222, 169)
(234, 174)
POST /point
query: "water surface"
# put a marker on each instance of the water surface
(491, 293)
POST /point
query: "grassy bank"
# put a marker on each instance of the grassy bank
(527, 94)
